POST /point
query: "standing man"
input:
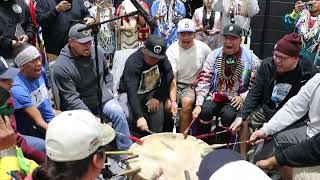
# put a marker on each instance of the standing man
(145, 85)
(238, 12)
(306, 22)
(167, 14)
(16, 26)
(225, 80)
(186, 56)
(76, 79)
(56, 18)
(278, 79)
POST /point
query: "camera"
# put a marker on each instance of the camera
(308, 5)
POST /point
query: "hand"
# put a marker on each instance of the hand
(237, 102)
(63, 6)
(98, 119)
(15, 44)
(7, 135)
(267, 164)
(88, 21)
(174, 108)
(196, 111)
(24, 38)
(142, 124)
(257, 136)
(153, 105)
(299, 6)
(175, 20)
(236, 124)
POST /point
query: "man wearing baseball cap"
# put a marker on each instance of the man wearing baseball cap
(224, 80)
(145, 84)
(75, 143)
(186, 56)
(76, 80)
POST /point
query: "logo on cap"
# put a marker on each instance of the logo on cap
(231, 28)
(186, 24)
(157, 49)
(4, 62)
(86, 32)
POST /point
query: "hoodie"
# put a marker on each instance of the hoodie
(76, 81)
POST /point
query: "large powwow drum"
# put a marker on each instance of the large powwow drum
(170, 152)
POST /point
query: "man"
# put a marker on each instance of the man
(305, 20)
(186, 57)
(56, 18)
(167, 14)
(278, 79)
(285, 123)
(16, 26)
(75, 144)
(76, 80)
(224, 80)
(33, 110)
(31, 146)
(145, 84)
(238, 12)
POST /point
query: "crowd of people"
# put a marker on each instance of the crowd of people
(60, 106)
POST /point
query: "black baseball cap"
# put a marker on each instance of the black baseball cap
(155, 47)
(232, 30)
(7, 72)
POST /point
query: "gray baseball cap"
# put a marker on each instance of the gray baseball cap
(81, 37)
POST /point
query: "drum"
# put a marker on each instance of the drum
(168, 151)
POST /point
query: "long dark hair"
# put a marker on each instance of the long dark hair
(64, 170)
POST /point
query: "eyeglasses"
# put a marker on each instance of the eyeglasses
(281, 58)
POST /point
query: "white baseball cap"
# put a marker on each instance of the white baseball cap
(75, 135)
(186, 25)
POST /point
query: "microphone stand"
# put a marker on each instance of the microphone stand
(95, 30)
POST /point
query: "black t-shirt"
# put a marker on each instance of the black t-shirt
(141, 78)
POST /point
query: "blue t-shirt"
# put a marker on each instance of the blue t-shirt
(166, 29)
(27, 93)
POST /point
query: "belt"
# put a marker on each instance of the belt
(8, 152)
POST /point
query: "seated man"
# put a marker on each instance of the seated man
(76, 79)
(145, 84)
(33, 110)
(224, 80)
(284, 124)
(186, 56)
(75, 144)
(278, 79)
(31, 146)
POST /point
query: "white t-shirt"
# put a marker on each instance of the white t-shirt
(187, 63)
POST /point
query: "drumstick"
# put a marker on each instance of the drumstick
(167, 145)
(119, 153)
(129, 157)
(133, 138)
(131, 171)
(185, 133)
(187, 175)
(148, 130)
(215, 146)
(202, 136)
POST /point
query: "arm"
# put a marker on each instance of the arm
(131, 80)
(290, 20)
(166, 78)
(204, 80)
(253, 8)
(28, 25)
(294, 109)
(173, 86)
(5, 43)
(67, 90)
(36, 116)
(255, 94)
(305, 154)
(44, 14)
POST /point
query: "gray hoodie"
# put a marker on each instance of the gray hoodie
(76, 81)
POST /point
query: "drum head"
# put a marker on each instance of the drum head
(168, 151)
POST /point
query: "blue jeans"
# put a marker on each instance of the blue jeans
(113, 111)
(35, 142)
